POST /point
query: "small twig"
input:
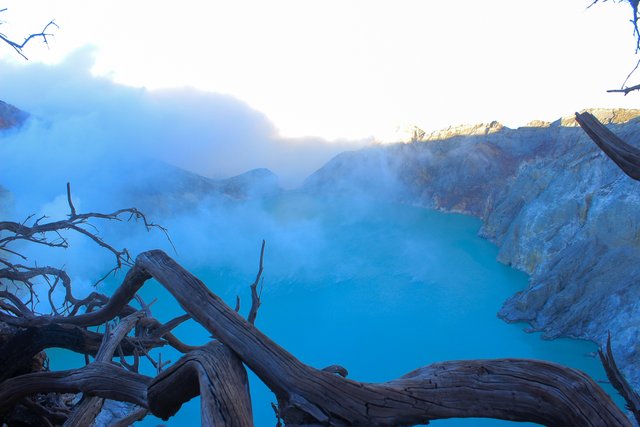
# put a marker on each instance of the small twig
(19, 46)
(158, 330)
(626, 90)
(337, 369)
(255, 297)
(277, 412)
(145, 308)
(71, 207)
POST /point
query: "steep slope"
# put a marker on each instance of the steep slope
(554, 204)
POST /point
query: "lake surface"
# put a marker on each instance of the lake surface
(380, 289)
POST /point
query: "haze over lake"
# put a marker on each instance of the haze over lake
(378, 288)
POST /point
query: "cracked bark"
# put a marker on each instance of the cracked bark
(626, 156)
(214, 373)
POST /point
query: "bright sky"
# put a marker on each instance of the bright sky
(354, 69)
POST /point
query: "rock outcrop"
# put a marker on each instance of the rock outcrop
(10, 116)
(556, 206)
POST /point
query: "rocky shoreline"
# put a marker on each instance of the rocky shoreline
(556, 207)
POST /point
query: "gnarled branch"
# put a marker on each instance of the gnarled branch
(90, 406)
(213, 372)
(19, 46)
(100, 378)
(624, 155)
(618, 381)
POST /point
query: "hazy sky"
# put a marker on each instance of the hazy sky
(353, 69)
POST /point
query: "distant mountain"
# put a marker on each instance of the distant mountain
(10, 116)
(150, 185)
(556, 206)
(158, 188)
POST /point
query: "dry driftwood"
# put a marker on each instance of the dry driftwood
(90, 406)
(100, 378)
(214, 373)
(619, 381)
(17, 353)
(626, 156)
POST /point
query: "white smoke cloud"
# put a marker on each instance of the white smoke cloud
(79, 121)
(107, 138)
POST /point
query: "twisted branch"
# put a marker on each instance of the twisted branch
(19, 46)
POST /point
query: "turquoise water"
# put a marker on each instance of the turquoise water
(380, 289)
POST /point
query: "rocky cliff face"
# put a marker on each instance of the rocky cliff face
(554, 204)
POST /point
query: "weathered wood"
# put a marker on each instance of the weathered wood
(85, 412)
(99, 378)
(255, 295)
(90, 406)
(213, 372)
(18, 351)
(133, 280)
(510, 389)
(136, 415)
(618, 381)
(626, 156)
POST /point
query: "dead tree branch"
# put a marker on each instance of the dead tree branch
(100, 379)
(90, 406)
(624, 155)
(636, 33)
(213, 372)
(618, 381)
(255, 296)
(41, 35)
(39, 232)
(19, 349)
(26, 333)
(625, 90)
